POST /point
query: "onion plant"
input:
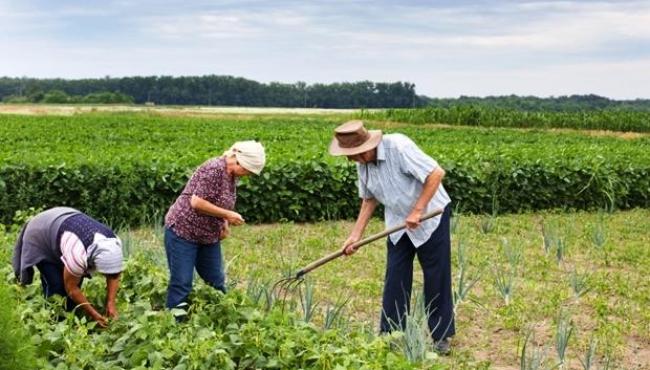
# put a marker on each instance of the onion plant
(260, 293)
(307, 301)
(548, 237)
(532, 358)
(334, 313)
(413, 337)
(513, 253)
(129, 243)
(598, 236)
(561, 247)
(504, 281)
(455, 221)
(488, 222)
(563, 332)
(464, 283)
(590, 357)
(579, 283)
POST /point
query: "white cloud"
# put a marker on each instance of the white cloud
(459, 48)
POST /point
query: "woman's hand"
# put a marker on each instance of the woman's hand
(225, 231)
(111, 311)
(101, 321)
(234, 218)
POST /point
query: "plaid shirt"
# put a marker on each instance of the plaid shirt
(210, 182)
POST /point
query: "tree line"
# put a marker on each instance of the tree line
(238, 91)
(571, 103)
(220, 90)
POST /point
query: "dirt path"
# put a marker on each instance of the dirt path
(67, 110)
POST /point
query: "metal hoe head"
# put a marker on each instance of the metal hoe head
(283, 287)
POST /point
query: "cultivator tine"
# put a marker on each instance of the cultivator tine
(282, 288)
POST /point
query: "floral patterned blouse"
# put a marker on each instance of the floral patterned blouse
(211, 182)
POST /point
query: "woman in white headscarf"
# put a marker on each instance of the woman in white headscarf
(66, 246)
(201, 217)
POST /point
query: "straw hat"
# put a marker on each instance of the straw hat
(352, 138)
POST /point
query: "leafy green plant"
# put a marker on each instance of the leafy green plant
(16, 349)
(127, 184)
(225, 331)
(486, 116)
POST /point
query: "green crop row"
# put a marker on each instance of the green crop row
(122, 139)
(313, 190)
(128, 168)
(468, 115)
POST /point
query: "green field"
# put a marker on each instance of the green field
(584, 269)
(488, 116)
(125, 167)
(124, 138)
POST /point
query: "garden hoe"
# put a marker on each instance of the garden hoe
(291, 283)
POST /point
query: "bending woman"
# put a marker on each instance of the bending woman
(66, 246)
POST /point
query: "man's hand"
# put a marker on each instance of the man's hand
(234, 218)
(413, 219)
(348, 248)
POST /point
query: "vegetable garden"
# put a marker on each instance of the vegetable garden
(563, 285)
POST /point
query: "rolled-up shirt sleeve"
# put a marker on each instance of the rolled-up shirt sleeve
(415, 162)
(73, 254)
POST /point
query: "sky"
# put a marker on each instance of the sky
(446, 48)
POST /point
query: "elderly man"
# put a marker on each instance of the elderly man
(66, 245)
(395, 172)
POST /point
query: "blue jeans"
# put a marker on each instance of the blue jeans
(52, 282)
(435, 259)
(183, 256)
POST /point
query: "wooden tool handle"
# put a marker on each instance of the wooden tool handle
(361, 243)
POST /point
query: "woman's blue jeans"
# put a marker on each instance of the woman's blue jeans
(183, 256)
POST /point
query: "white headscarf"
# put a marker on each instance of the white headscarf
(105, 254)
(250, 155)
